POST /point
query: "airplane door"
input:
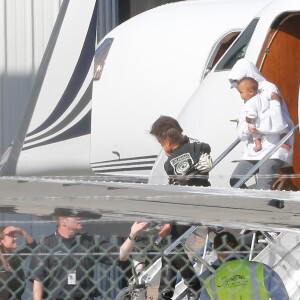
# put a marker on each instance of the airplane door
(299, 103)
(281, 65)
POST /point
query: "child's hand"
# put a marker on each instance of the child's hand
(286, 146)
(252, 128)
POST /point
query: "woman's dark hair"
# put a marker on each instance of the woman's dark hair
(2, 228)
(3, 261)
(2, 235)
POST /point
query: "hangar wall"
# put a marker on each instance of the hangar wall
(25, 28)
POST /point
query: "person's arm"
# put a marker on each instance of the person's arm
(275, 96)
(39, 270)
(275, 285)
(245, 130)
(37, 290)
(165, 230)
(127, 247)
(285, 171)
(251, 115)
(243, 127)
(205, 148)
(12, 229)
(204, 295)
(204, 163)
(252, 129)
(30, 242)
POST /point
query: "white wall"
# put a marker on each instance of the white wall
(25, 28)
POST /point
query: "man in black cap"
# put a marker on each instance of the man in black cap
(63, 267)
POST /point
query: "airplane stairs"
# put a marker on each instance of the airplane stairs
(282, 253)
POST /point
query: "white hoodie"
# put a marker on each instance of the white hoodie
(245, 68)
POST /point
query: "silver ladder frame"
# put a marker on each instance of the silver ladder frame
(265, 158)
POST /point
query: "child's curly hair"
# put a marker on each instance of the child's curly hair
(164, 126)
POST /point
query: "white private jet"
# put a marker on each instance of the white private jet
(93, 115)
(271, 41)
(91, 108)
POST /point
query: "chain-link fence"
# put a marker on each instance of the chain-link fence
(201, 262)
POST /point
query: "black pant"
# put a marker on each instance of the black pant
(173, 263)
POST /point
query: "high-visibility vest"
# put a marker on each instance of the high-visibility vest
(237, 280)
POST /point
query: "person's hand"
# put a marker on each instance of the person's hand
(165, 230)
(278, 182)
(128, 245)
(137, 227)
(252, 129)
(12, 229)
(286, 146)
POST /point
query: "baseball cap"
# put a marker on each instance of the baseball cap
(72, 212)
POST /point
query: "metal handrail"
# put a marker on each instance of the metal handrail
(201, 259)
(265, 158)
(226, 152)
(179, 240)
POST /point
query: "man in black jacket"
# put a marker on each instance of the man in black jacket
(63, 267)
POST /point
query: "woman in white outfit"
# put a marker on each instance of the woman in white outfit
(283, 157)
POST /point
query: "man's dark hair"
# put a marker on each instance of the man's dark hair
(163, 124)
(225, 241)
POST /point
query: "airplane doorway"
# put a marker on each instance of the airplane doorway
(280, 64)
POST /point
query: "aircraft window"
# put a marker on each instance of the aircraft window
(238, 49)
(221, 46)
(100, 57)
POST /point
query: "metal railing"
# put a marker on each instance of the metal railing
(265, 158)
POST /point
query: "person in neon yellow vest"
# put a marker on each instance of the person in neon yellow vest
(240, 279)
